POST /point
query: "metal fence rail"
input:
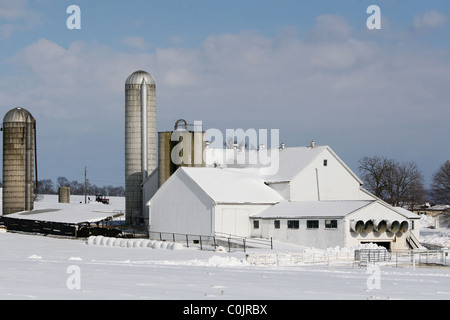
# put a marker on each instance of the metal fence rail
(313, 257)
(205, 242)
(359, 257)
(365, 256)
(422, 257)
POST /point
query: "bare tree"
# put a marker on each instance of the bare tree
(440, 186)
(62, 182)
(45, 187)
(399, 184)
(373, 172)
(404, 185)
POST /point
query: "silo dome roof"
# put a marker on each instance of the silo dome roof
(136, 78)
(18, 115)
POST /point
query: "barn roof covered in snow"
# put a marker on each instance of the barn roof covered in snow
(305, 209)
(50, 210)
(294, 160)
(274, 165)
(232, 185)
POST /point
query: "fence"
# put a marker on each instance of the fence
(421, 257)
(366, 256)
(360, 258)
(205, 242)
(307, 257)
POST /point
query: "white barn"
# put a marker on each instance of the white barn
(313, 199)
(205, 201)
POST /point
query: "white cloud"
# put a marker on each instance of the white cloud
(429, 20)
(135, 42)
(12, 10)
(344, 92)
(329, 28)
(18, 16)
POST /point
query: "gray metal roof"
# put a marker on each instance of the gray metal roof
(18, 114)
(136, 78)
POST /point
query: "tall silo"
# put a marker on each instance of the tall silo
(19, 129)
(140, 141)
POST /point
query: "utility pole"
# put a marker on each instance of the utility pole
(85, 184)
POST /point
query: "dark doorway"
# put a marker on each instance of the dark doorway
(386, 244)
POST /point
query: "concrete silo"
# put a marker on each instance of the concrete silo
(140, 141)
(19, 128)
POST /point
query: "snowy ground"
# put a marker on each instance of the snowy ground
(39, 267)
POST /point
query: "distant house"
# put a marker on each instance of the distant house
(313, 199)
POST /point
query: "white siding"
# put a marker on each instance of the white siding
(330, 182)
(235, 219)
(180, 206)
(377, 211)
(150, 188)
(318, 238)
(282, 188)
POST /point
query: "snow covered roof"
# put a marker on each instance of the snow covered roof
(304, 209)
(62, 215)
(292, 161)
(406, 213)
(49, 209)
(232, 185)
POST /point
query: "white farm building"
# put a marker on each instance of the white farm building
(313, 199)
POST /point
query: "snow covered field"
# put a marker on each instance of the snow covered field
(39, 267)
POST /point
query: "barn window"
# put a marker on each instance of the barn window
(293, 224)
(276, 224)
(312, 224)
(330, 224)
(255, 224)
(325, 162)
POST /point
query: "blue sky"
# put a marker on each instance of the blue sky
(311, 69)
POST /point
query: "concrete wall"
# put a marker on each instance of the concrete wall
(322, 237)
